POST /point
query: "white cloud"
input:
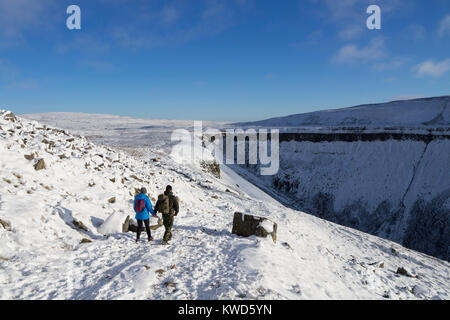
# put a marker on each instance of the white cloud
(83, 43)
(391, 64)
(173, 28)
(375, 50)
(415, 32)
(432, 69)
(351, 32)
(444, 26)
(18, 16)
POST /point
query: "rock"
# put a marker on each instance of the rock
(286, 245)
(126, 225)
(170, 284)
(62, 156)
(136, 178)
(246, 225)
(160, 272)
(113, 180)
(112, 200)
(131, 225)
(5, 224)
(70, 140)
(174, 267)
(85, 240)
(40, 165)
(381, 265)
(402, 271)
(80, 225)
(212, 167)
(10, 117)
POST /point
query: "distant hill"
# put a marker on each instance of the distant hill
(433, 111)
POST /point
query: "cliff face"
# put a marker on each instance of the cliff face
(396, 186)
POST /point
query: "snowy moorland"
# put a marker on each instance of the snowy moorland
(416, 112)
(61, 237)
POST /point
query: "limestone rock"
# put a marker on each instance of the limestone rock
(131, 225)
(29, 156)
(5, 224)
(80, 225)
(40, 165)
(246, 225)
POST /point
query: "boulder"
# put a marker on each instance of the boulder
(10, 117)
(80, 225)
(29, 156)
(247, 225)
(40, 165)
(5, 224)
(131, 225)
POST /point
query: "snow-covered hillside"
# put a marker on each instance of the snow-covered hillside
(382, 169)
(86, 189)
(416, 112)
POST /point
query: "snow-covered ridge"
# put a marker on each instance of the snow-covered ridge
(425, 112)
(46, 214)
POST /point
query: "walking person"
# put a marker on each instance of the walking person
(142, 207)
(168, 205)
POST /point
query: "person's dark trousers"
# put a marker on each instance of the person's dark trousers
(168, 224)
(147, 228)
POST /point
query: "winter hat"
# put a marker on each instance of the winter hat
(143, 190)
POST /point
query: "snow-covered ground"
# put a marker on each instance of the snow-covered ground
(41, 256)
(433, 112)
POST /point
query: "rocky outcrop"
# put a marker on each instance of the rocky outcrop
(211, 167)
(246, 225)
(131, 225)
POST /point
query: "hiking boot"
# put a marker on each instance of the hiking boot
(150, 239)
(165, 243)
(137, 240)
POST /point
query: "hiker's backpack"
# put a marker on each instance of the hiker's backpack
(164, 205)
(140, 205)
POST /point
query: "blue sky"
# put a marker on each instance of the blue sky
(231, 60)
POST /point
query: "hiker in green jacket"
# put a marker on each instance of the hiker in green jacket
(168, 205)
